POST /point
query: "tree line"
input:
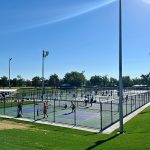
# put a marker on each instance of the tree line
(76, 79)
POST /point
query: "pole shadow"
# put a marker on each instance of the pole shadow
(101, 142)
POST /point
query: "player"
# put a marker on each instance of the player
(45, 110)
(65, 106)
(19, 111)
(91, 101)
(111, 93)
(126, 98)
(73, 106)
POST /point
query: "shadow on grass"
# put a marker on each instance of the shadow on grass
(138, 132)
(144, 112)
(101, 142)
(89, 134)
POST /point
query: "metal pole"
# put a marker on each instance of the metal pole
(126, 107)
(111, 114)
(42, 75)
(75, 119)
(34, 100)
(120, 70)
(54, 109)
(4, 102)
(100, 115)
(131, 103)
(135, 101)
(101, 111)
(139, 99)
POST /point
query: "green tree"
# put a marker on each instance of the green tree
(74, 78)
(4, 81)
(105, 81)
(14, 82)
(20, 81)
(28, 83)
(113, 82)
(36, 81)
(54, 80)
(145, 79)
(96, 80)
(127, 82)
(136, 81)
(99, 81)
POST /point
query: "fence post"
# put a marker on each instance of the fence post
(126, 106)
(75, 113)
(147, 97)
(111, 114)
(54, 110)
(11, 99)
(142, 99)
(34, 109)
(4, 104)
(101, 115)
(131, 103)
(135, 101)
(139, 99)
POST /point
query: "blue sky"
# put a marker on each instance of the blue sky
(79, 35)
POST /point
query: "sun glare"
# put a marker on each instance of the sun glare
(147, 1)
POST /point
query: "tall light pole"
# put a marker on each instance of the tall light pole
(9, 72)
(120, 70)
(44, 54)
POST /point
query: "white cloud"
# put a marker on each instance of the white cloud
(71, 13)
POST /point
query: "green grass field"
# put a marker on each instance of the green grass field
(44, 137)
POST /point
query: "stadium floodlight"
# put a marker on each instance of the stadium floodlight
(120, 70)
(9, 71)
(44, 55)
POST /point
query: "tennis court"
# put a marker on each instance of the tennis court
(99, 113)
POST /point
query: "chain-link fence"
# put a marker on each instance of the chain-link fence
(92, 108)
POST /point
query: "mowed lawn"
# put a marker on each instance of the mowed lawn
(35, 136)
